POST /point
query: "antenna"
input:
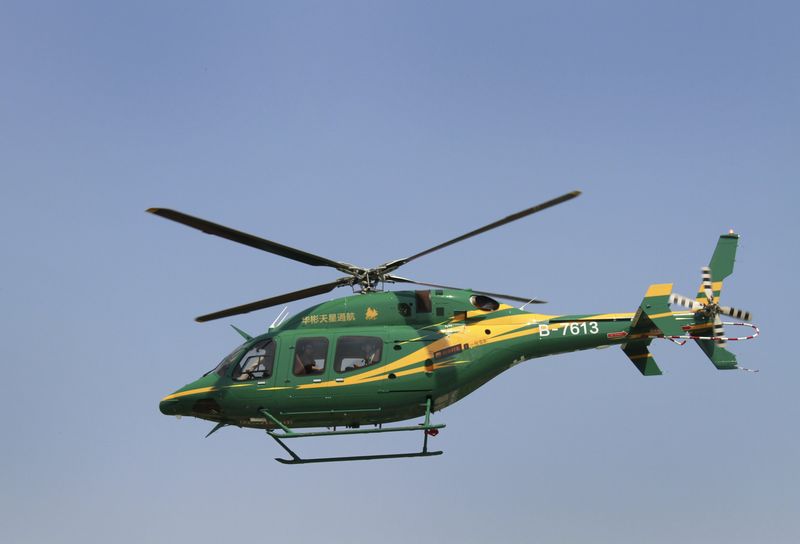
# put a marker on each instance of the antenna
(243, 334)
(281, 318)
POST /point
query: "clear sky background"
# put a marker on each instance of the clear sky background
(368, 131)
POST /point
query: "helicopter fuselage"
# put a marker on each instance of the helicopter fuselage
(376, 358)
(383, 356)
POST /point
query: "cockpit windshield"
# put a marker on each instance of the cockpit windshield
(223, 365)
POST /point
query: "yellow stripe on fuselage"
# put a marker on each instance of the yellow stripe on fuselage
(467, 335)
(607, 317)
(189, 392)
(457, 333)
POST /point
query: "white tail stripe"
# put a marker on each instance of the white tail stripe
(723, 338)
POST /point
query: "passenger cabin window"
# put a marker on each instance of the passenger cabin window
(354, 352)
(484, 303)
(423, 302)
(257, 363)
(309, 356)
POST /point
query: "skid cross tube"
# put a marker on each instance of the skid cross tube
(296, 459)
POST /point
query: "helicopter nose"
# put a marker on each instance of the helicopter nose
(170, 407)
(184, 401)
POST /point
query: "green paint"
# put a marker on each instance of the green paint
(428, 360)
(641, 357)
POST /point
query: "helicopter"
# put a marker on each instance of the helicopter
(354, 364)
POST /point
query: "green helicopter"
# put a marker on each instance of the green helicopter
(354, 364)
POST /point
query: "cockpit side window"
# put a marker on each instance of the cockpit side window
(257, 363)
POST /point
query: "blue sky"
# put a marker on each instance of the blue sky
(366, 131)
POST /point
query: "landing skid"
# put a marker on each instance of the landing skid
(426, 428)
(297, 460)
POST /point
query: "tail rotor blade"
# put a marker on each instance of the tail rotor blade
(733, 312)
(707, 285)
(719, 330)
(686, 302)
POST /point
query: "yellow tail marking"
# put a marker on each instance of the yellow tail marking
(642, 356)
(658, 316)
(659, 290)
(716, 288)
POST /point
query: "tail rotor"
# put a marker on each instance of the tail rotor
(707, 309)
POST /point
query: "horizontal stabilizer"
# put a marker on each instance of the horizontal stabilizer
(640, 356)
(702, 323)
(654, 312)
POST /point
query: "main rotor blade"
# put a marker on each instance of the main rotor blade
(274, 301)
(394, 265)
(249, 240)
(528, 300)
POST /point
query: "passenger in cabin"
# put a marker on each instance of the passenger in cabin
(299, 369)
(371, 353)
(304, 362)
